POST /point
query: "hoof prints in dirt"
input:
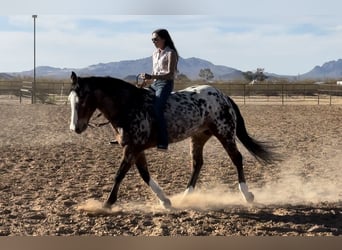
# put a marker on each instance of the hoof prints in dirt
(47, 173)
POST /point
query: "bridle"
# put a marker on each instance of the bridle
(98, 125)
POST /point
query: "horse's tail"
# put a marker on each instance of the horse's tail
(258, 149)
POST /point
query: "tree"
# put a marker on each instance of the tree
(206, 74)
(257, 75)
(260, 76)
(249, 76)
(182, 77)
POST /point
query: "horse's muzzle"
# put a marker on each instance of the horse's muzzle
(79, 129)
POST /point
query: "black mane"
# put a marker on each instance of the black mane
(115, 88)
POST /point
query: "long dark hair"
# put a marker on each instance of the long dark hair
(164, 34)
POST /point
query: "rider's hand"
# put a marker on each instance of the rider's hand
(145, 76)
(142, 84)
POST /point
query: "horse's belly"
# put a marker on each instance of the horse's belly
(181, 128)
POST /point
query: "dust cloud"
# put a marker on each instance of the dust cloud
(322, 183)
(291, 187)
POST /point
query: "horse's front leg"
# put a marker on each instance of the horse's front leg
(125, 165)
(141, 164)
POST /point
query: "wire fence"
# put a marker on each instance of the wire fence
(50, 92)
(281, 93)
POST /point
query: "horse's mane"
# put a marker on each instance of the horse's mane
(117, 89)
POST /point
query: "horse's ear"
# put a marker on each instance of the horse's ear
(73, 78)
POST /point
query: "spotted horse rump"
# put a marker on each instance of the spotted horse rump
(198, 112)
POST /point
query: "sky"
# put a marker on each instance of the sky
(283, 37)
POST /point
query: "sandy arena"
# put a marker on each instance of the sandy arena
(53, 181)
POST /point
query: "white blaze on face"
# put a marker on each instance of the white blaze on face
(73, 102)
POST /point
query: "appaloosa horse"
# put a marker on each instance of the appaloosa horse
(198, 112)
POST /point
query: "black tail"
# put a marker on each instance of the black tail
(258, 149)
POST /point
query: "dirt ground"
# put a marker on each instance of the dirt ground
(53, 181)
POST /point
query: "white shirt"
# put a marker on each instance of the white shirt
(161, 61)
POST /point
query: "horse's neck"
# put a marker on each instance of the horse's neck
(107, 106)
(114, 109)
(110, 114)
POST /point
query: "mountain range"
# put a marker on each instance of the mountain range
(331, 69)
(189, 67)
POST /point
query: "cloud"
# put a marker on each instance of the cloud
(278, 44)
(15, 51)
(123, 7)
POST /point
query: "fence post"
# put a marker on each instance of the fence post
(282, 93)
(244, 94)
(330, 94)
(318, 98)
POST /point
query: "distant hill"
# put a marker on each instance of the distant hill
(47, 72)
(123, 69)
(190, 67)
(332, 70)
(5, 76)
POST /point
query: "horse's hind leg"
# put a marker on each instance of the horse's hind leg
(196, 150)
(141, 164)
(236, 157)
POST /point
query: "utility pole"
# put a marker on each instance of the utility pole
(34, 60)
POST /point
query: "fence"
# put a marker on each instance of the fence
(260, 93)
(45, 92)
(26, 92)
(280, 93)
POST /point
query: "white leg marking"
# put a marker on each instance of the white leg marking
(73, 101)
(159, 192)
(189, 190)
(249, 197)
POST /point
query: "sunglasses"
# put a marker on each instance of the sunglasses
(156, 39)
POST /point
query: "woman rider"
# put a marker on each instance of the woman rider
(164, 59)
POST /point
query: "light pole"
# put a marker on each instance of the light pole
(34, 60)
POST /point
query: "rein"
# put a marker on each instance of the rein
(98, 125)
(138, 83)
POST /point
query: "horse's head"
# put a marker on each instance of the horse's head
(83, 103)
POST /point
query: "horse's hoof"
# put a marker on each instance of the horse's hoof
(249, 197)
(106, 205)
(166, 203)
(188, 191)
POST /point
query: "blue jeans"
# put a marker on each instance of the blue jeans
(163, 89)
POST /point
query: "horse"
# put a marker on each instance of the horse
(198, 112)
